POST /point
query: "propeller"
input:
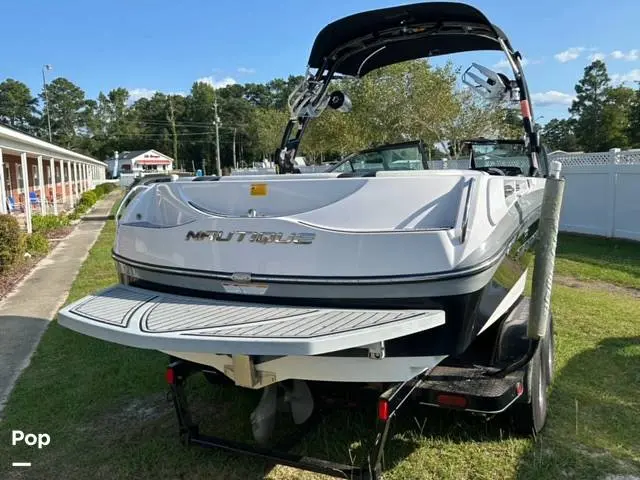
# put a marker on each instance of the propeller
(263, 418)
(300, 400)
(296, 397)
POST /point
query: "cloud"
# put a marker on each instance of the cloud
(138, 93)
(632, 76)
(552, 97)
(631, 56)
(211, 80)
(569, 54)
(504, 64)
(501, 64)
(246, 70)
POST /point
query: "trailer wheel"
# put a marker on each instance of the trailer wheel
(529, 418)
(549, 352)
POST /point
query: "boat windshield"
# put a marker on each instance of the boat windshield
(406, 157)
(500, 155)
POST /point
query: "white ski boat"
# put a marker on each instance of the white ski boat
(377, 271)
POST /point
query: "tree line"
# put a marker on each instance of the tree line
(403, 102)
(602, 116)
(177, 125)
(408, 101)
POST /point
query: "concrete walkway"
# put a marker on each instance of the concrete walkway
(26, 312)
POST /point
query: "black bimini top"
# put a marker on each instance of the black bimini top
(365, 41)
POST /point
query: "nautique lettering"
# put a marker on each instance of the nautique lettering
(251, 237)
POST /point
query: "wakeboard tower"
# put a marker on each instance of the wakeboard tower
(408, 278)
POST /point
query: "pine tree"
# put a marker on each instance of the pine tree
(589, 106)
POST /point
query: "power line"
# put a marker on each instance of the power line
(194, 125)
(183, 134)
(186, 124)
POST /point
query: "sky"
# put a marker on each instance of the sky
(161, 45)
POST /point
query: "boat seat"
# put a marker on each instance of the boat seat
(208, 178)
(368, 173)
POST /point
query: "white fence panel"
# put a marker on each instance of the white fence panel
(602, 194)
(588, 200)
(126, 179)
(626, 221)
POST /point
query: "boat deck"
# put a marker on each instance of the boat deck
(148, 319)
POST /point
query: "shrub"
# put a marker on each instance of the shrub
(64, 220)
(105, 188)
(48, 223)
(88, 198)
(37, 243)
(12, 245)
(100, 189)
(79, 211)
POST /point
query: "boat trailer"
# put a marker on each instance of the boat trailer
(467, 388)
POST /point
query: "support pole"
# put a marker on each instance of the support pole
(76, 183)
(81, 185)
(25, 187)
(43, 193)
(3, 193)
(70, 184)
(542, 282)
(64, 191)
(215, 107)
(235, 164)
(54, 185)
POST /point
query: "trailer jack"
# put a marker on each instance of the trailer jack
(388, 406)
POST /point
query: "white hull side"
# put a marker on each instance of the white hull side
(443, 221)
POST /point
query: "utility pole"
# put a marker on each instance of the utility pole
(172, 119)
(217, 123)
(46, 98)
(234, 149)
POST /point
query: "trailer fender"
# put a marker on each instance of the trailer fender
(511, 339)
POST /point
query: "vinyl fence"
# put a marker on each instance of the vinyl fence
(602, 193)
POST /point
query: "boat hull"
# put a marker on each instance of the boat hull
(472, 273)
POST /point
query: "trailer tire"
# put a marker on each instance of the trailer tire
(529, 418)
(549, 351)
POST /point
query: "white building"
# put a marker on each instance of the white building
(38, 176)
(139, 161)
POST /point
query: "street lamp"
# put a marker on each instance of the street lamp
(44, 83)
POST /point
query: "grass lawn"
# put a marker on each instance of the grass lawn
(600, 259)
(106, 411)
